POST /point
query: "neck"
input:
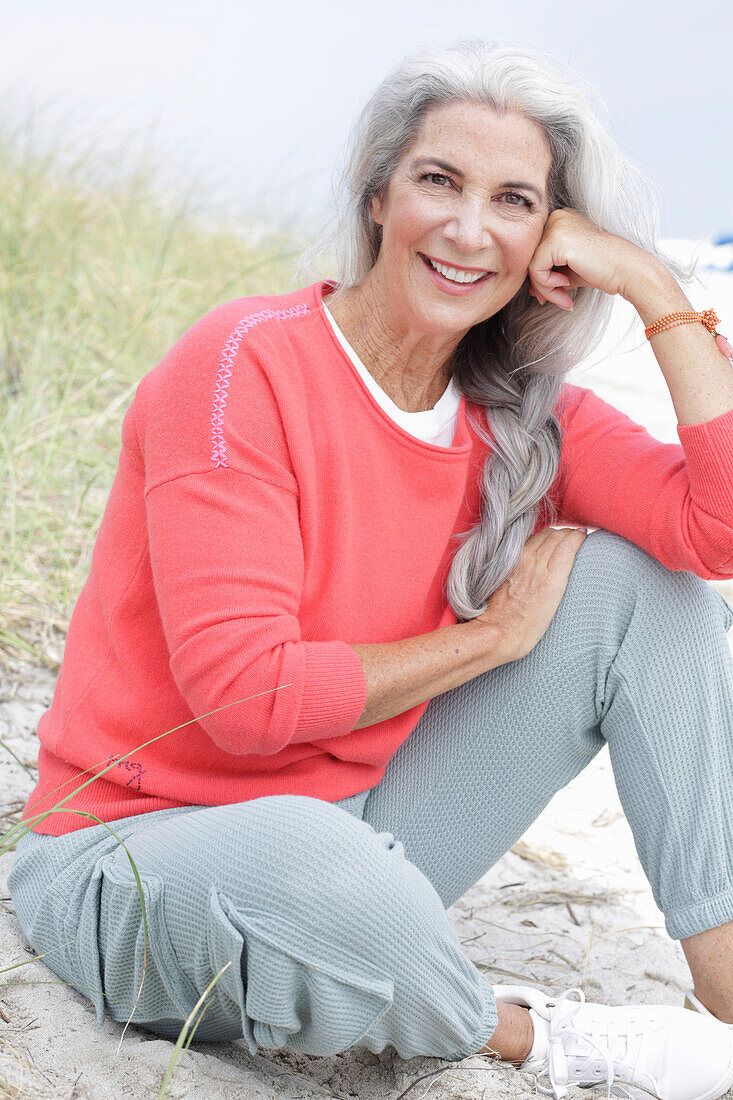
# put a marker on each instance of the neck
(413, 369)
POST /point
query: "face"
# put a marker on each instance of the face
(469, 194)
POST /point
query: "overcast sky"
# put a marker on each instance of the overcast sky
(251, 103)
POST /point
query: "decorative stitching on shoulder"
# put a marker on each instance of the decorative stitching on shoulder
(218, 445)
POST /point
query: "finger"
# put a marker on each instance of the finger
(561, 298)
(567, 547)
(549, 289)
(558, 278)
(546, 536)
(557, 297)
(551, 292)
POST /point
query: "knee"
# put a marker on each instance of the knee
(346, 877)
(614, 583)
(615, 565)
(609, 569)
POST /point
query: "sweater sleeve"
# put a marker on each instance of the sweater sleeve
(226, 551)
(227, 564)
(673, 500)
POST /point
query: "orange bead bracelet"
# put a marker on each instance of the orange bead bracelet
(708, 318)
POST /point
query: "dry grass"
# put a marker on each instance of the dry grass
(96, 284)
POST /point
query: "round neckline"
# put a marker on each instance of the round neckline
(462, 436)
(449, 398)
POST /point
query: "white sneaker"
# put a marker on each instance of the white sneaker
(692, 1002)
(636, 1051)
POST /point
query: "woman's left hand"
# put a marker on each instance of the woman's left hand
(574, 251)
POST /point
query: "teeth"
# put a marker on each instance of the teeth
(455, 276)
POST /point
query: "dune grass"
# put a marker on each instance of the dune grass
(96, 284)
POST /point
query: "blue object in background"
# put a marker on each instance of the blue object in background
(722, 261)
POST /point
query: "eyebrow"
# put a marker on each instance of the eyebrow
(457, 172)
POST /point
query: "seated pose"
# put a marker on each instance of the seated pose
(345, 632)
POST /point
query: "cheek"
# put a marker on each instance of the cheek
(522, 245)
(412, 220)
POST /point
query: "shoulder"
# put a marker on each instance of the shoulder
(232, 367)
(253, 327)
(219, 333)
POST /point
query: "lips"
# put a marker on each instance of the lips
(449, 286)
(456, 267)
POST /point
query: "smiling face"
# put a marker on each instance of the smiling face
(470, 194)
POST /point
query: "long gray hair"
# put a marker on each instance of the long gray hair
(514, 363)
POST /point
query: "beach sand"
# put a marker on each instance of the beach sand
(568, 906)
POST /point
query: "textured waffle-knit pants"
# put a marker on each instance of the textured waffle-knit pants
(332, 915)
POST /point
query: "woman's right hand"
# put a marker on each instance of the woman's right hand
(523, 606)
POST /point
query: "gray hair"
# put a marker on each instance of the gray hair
(514, 363)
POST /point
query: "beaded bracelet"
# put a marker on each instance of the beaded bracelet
(708, 318)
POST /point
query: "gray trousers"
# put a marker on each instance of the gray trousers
(332, 915)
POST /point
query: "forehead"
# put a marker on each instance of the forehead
(477, 139)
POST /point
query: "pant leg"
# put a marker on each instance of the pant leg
(333, 937)
(635, 657)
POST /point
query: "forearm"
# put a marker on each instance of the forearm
(401, 675)
(698, 374)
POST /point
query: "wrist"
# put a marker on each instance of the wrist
(491, 638)
(653, 292)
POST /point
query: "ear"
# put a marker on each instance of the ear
(375, 209)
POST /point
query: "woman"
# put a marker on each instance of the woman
(364, 716)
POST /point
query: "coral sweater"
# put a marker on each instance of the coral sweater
(267, 514)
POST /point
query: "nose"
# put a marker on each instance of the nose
(467, 228)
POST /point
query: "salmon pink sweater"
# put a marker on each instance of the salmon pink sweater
(267, 514)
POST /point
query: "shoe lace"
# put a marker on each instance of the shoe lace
(561, 1032)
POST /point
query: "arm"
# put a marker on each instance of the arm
(227, 563)
(401, 675)
(225, 544)
(674, 501)
(699, 376)
(574, 252)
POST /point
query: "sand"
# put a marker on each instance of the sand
(568, 906)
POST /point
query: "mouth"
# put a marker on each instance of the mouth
(458, 277)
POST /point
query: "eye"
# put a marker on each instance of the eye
(516, 195)
(432, 176)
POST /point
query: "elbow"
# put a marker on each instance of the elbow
(236, 727)
(708, 544)
(245, 740)
(243, 710)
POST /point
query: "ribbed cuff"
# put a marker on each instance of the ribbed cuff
(487, 1027)
(709, 913)
(334, 691)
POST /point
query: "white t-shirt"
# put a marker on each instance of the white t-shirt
(436, 425)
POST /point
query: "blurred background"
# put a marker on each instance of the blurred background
(253, 102)
(159, 158)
